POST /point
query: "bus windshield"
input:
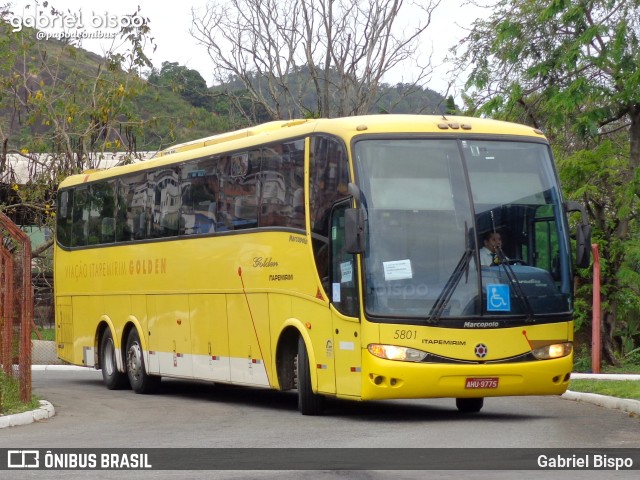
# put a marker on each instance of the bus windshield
(432, 205)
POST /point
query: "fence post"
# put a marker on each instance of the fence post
(596, 343)
(17, 309)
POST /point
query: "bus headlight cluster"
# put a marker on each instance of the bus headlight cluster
(393, 352)
(555, 350)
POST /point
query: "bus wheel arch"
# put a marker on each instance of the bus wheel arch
(112, 377)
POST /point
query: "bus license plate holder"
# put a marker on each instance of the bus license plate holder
(473, 383)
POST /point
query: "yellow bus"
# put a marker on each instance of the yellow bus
(339, 257)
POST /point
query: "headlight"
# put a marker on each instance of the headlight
(555, 350)
(393, 352)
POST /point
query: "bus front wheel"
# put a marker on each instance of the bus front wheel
(309, 403)
(111, 377)
(469, 405)
(140, 381)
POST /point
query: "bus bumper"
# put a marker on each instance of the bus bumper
(388, 379)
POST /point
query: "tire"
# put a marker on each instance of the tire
(111, 377)
(309, 403)
(469, 405)
(140, 381)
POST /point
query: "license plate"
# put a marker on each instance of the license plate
(473, 383)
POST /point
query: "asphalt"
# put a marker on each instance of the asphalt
(46, 410)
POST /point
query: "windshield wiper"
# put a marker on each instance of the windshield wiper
(517, 288)
(453, 281)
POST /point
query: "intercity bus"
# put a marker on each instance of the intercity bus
(336, 257)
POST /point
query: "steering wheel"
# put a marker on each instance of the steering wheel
(516, 261)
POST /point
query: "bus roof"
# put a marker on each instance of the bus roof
(346, 128)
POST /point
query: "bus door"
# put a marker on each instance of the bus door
(343, 291)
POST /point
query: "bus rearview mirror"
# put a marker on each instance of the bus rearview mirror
(354, 230)
(583, 245)
(583, 235)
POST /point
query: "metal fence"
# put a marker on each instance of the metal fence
(16, 305)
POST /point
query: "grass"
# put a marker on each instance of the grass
(612, 388)
(10, 390)
(45, 334)
(10, 397)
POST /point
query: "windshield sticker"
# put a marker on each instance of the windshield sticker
(397, 270)
(346, 272)
(498, 298)
(336, 292)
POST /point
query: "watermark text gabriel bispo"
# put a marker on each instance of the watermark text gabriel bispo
(74, 24)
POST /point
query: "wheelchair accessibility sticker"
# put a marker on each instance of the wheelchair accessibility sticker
(498, 298)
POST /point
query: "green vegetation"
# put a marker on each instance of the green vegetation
(613, 388)
(10, 397)
(45, 334)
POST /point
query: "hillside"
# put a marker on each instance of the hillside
(49, 82)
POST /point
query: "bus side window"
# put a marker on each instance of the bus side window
(165, 202)
(239, 186)
(134, 192)
(200, 190)
(280, 185)
(79, 229)
(344, 291)
(123, 229)
(64, 217)
(101, 228)
(328, 180)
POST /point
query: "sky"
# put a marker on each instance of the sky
(170, 24)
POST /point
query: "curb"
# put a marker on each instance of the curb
(604, 376)
(45, 411)
(626, 405)
(48, 368)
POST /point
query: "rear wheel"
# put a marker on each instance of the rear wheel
(140, 381)
(309, 403)
(111, 377)
(469, 405)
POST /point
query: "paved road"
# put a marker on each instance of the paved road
(188, 414)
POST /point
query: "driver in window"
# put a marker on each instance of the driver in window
(489, 252)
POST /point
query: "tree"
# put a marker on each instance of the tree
(188, 83)
(572, 69)
(61, 114)
(342, 48)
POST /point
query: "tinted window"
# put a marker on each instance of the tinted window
(63, 217)
(80, 217)
(329, 180)
(135, 192)
(259, 188)
(101, 215)
(201, 197)
(281, 185)
(165, 202)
